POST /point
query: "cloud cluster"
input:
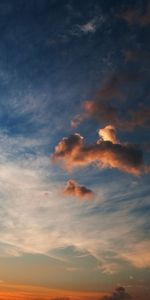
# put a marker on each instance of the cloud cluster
(119, 294)
(73, 189)
(72, 152)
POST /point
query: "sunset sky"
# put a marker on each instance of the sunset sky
(74, 149)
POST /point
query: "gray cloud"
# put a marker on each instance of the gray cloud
(119, 294)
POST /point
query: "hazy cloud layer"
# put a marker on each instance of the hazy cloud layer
(33, 202)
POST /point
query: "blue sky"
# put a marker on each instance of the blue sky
(54, 57)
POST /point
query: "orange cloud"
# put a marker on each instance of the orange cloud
(108, 133)
(73, 189)
(72, 153)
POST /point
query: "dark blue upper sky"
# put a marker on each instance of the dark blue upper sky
(49, 55)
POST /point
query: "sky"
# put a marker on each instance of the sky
(74, 149)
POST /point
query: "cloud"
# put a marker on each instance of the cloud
(139, 255)
(73, 153)
(134, 16)
(76, 121)
(109, 268)
(73, 189)
(131, 16)
(137, 55)
(89, 27)
(108, 133)
(104, 112)
(105, 106)
(119, 294)
(92, 25)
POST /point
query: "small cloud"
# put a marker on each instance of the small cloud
(108, 133)
(73, 189)
(92, 25)
(109, 268)
(77, 120)
(119, 294)
(89, 27)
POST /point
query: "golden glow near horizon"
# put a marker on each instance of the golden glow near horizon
(24, 292)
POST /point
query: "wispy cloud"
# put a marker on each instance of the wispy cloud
(89, 27)
(139, 255)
